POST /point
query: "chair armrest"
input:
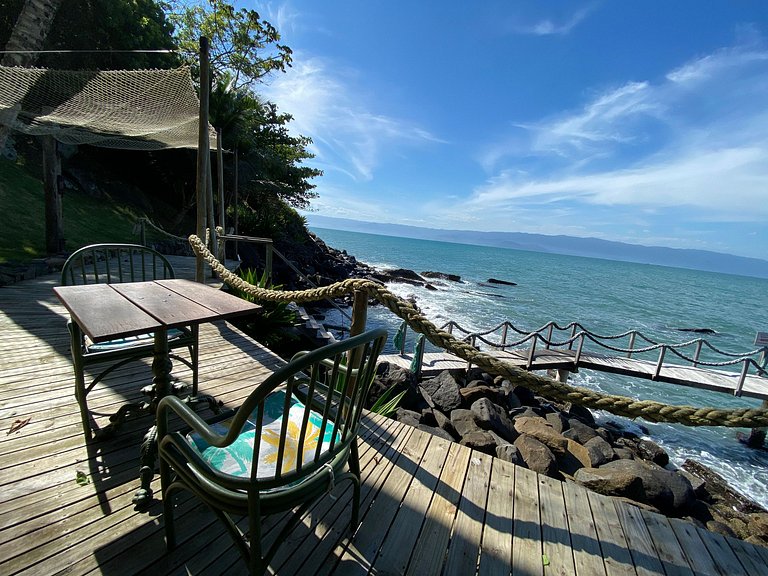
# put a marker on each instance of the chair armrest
(193, 420)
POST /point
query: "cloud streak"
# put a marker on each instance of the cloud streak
(348, 136)
(697, 139)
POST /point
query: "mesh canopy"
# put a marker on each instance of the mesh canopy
(133, 109)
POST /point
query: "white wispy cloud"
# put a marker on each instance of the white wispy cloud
(552, 27)
(349, 135)
(696, 139)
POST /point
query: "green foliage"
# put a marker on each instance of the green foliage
(267, 327)
(270, 218)
(106, 25)
(386, 404)
(241, 43)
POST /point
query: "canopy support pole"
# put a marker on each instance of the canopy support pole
(203, 153)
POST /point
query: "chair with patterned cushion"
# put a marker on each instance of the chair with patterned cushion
(111, 264)
(291, 441)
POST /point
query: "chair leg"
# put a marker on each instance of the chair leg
(193, 356)
(79, 368)
(167, 495)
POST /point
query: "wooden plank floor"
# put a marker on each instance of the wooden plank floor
(708, 379)
(428, 506)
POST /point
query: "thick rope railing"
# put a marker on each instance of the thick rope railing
(547, 387)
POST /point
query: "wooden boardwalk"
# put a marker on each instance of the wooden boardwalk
(429, 506)
(543, 359)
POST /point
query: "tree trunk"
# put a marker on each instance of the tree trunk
(54, 229)
(29, 33)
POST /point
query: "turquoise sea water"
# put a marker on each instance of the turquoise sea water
(607, 297)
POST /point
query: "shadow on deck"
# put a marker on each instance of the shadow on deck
(428, 506)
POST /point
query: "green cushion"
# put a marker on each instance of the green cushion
(237, 458)
(129, 341)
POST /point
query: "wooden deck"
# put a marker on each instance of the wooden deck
(429, 506)
(708, 379)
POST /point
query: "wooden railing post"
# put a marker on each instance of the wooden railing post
(504, 336)
(631, 343)
(697, 353)
(660, 362)
(532, 351)
(549, 335)
(268, 261)
(573, 334)
(359, 313)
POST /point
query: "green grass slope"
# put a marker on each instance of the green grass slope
(86, 219)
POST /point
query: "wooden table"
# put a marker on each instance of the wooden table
(110, 311)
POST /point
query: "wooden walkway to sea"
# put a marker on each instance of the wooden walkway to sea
(563, 359)
(428, 506)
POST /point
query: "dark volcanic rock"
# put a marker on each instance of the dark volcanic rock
(491, 417)
(442, 276)
(579, 431)
(481, 440)
(463, 422)
(443, 390)
(502, 282)
(669, 492)
(536, 455)
(510, 453)
(649, 450)
(599, 451)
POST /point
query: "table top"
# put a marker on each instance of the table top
(107, 311)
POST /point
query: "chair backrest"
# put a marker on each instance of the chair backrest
(115, 263)
(308, 412)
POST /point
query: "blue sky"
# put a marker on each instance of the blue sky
(643, 122)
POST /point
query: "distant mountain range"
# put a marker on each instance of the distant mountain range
(568, 245)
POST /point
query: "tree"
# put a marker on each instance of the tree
(26, 38)
(242, 44)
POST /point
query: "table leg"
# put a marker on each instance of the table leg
(161, 370)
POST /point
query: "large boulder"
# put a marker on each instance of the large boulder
(666, 490)
(536, 455)
(442, 391)
(510, 453)
(540, 429)
(649, 450)
(463, 422)
(579, 431)
(489, 416)
(480, 440)
(574, 458)
(390, 376)
(599, 451)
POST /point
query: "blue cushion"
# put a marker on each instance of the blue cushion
(129, 341)
(237, 458)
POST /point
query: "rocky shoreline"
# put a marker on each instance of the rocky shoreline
(509, 421)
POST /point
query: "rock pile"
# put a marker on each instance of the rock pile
(495, 416)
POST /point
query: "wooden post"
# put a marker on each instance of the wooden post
(203, 148)
(54, 229)
(220, 170)
(214, 247)
(359, 313)
(757, 435)
(237, 204)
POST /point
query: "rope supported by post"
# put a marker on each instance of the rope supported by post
(545, 386)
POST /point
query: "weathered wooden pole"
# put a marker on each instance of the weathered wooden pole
(203, 148)
(237, 227)
(357, 325)
(220, 186)
(54, 228)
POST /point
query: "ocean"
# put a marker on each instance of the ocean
(607, 297)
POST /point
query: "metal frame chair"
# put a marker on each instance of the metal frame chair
(287, 458)
(110, 264)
